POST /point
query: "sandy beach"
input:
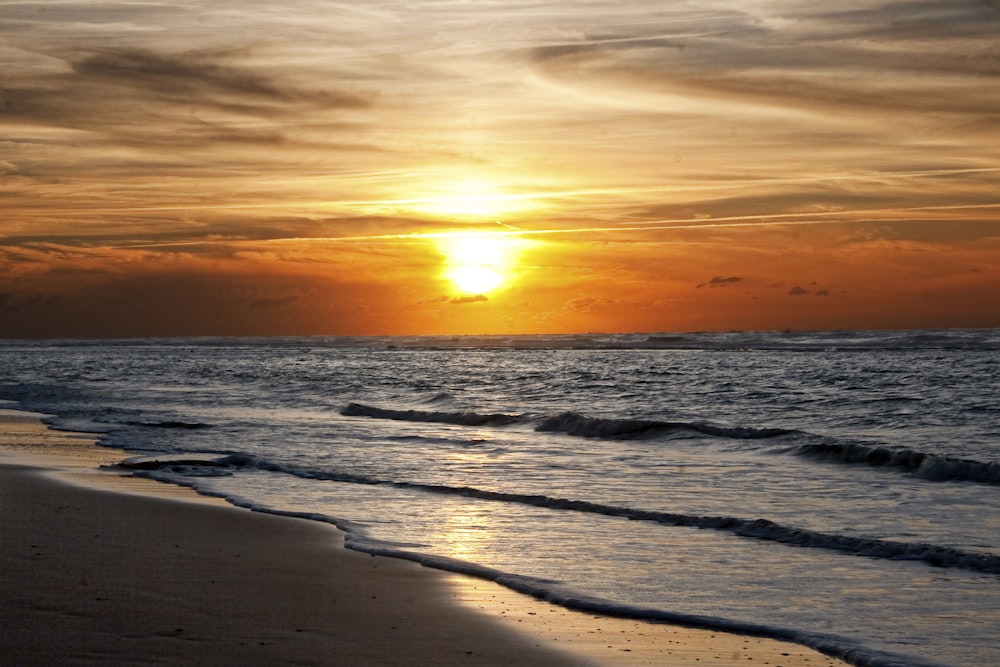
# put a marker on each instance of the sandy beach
(97, 567)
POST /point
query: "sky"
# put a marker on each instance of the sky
(391, 167)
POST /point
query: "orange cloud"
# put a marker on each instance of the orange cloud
(166, 171)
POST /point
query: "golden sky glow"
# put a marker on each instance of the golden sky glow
(310, 167)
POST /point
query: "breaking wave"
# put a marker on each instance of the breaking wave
(576, 424)
(464, 418)
(169, 424)
(570, 423)
(931, 467)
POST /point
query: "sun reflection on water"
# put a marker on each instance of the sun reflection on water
(467, 533)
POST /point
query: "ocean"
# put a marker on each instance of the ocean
(837, 489)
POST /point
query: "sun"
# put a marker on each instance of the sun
(475, 279)
(479, 263)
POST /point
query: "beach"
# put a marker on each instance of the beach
(99, 567)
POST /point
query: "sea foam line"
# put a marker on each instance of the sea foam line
(759, 529)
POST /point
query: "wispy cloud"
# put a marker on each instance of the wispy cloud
(645, 146)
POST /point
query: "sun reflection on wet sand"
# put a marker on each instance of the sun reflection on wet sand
(601, 640)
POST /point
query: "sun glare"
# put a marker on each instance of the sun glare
(479, 263)
(471, 198)
(475, 279)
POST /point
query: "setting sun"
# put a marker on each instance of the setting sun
(475, 279)
(479, 263)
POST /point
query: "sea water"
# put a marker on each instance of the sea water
(839, 489)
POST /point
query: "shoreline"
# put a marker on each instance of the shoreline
(116, 567)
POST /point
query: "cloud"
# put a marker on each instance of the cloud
(204, 79)
(582, 303)
(797, 291)
(181, 101)
(15, 302)
(234, 140)
(719, 281)
(887, 59)
(468, 299)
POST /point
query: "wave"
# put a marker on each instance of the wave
(921, 464)
(759, 529)
(76, 425)
(844, 648)
(183, 462)
(439, 398)
(570, 423)
(464, 418)
(168, 424)
(573, 423)
(835, 646)
(104, 423)
(926, 466)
